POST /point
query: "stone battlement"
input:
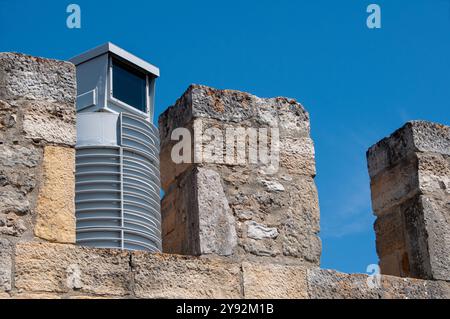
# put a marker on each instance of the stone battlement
(238, 229)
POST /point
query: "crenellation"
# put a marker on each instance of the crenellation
(410, 174)
(279, 194)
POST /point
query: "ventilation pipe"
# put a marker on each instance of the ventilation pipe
(117, 152)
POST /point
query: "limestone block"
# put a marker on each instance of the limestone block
(271, 281)
(198, 220)
(259, 231)
(12, 156)
(230, 107)
(8, 116)
(434, 174)
(329, 284)
(36, 296)
(415, 136)
(410, 178)
(33, 78)
(217, 232)
(56, 207)
(245, 210)
(50, 122)
(165, 276)
(419, 173)
(407, 288)
(394, 186)
(4, 296)
(5, 265)
(391, 244)
(58, 268)
(437, 227)
(179, 223)
(13, 201)
(297, 155)
(18, 179)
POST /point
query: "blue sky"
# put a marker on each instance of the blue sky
(359, 85)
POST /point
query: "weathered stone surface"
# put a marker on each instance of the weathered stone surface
(415, 136)
(57, 268)
(164, 276)
(410, 178)
(329, 284)
(4, 295)
(199, 220)
(50, 122)
(179, 223)
(407, 288)
(37, 296)
(13, 201)
(270, 281)
(235, 107)
(56, 208)
(437, 226)
(274, 204)
(87, 297)
(5, 265)
(8, 116)
(394, 186)
(258, 231)
(12, 156)
(273, 186)
(216, 223)
(26, 77)
(18, 166)
(297, 155)
(434, 174)
(12, 224)
(391, 244)
(419, 173)
(413, 239)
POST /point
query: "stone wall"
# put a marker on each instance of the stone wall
(205, 205)
(46, 270)
(231, 206)
(37, 136)
(410, 181)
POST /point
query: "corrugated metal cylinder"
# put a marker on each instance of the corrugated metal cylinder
(117, 153)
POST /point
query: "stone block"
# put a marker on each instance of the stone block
(203, 217)
(437, 227)
(55, 219)
(32, 78)
(329, 284)
(407, 288)
(415, 136)
(395, 185)
(229, 106)
(8, 117)
(165, 276)
(271, 281)
(240, 206)
(4, 296)
(434, 174)
(58, 268)
(36, 296)
(410, 178)
(50, 122)
(5, 265)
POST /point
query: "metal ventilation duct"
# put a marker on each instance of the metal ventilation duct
(117, 153)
